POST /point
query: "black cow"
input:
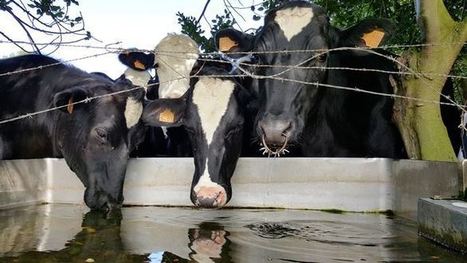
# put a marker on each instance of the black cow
(322, 121)
(95, 137)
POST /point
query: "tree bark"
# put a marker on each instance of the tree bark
(421, 122)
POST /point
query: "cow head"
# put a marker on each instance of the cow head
(173, 59)
(96, 137)
(286, 100)
(212, 114)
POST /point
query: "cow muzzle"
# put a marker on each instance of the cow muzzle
(275, 136)
(98, 200)
(213, 196)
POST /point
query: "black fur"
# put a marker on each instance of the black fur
(92, 137)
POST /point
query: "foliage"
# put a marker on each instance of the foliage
(345, 13)
(49, 19)
(192, 28)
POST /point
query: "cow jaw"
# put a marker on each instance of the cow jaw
(293, 20)
(133, 111)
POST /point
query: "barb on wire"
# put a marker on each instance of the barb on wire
(70, 44)
(276, 76)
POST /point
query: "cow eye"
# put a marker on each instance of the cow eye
(255, 59)
(322, 58)
(101, 135)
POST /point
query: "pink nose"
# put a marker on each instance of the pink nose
(210, 196)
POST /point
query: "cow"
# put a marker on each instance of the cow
(211, 106)
(173, 60)
(303, 106)
(212, 112)
(95, 137)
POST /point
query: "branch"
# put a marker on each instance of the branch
(202, 13)
(437, 21)
(25, 30)
(13, 42)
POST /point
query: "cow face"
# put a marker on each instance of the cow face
(286, 101)
(173, 59)
(95, 138)
(211, 113)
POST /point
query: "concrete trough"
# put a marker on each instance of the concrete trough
(444, 221)
(348, 184)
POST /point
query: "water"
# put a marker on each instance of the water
(66, 233)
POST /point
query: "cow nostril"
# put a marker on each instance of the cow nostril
(287, 130)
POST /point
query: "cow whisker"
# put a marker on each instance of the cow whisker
(275, 153)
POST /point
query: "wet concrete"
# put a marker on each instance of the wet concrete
(69, 233)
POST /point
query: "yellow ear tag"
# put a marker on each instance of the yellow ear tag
(70, 105)
(167, 116)
(226, 44)
(373, 39)
(137, 64)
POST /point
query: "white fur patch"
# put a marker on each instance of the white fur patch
(133, 111)
(137, 78)
(205, 180)
(212, 96)
(293, 20)
(176, 55)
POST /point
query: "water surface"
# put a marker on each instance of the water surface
(68, 233)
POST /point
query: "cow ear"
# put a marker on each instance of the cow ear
(137, 60)
(69, 98)
(369, 33)
(232, 40)
(165, 112)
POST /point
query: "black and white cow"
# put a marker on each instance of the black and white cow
(212, 112)
(173, 60)
(320, 120)
(95, 137)
(211, 109)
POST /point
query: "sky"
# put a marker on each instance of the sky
(136, 24)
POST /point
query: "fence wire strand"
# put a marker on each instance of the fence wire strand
(246, 73)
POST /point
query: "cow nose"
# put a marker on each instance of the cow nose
(210, 196)
(100, 201)
(275, 131)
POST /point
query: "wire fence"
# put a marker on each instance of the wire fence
(242, 66)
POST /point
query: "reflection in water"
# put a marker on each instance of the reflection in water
(98, 241)
(150, 234)
(209, 243)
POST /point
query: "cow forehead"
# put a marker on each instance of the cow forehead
(212, 96)
(175, 55)
(292, 20)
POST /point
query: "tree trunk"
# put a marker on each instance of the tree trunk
(420, 122)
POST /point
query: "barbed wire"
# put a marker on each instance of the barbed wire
(316, 84)
(246, 74)
(107, 47)
(53, 64)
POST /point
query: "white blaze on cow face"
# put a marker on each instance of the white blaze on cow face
(293, 20)
(211, 97)
(133, 111)
(175, 55)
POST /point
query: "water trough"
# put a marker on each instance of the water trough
(348, 184)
